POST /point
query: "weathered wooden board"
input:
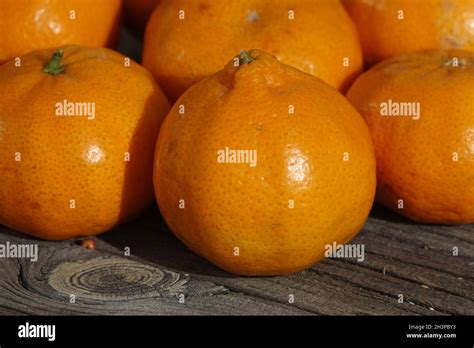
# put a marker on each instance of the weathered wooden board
(413, 260)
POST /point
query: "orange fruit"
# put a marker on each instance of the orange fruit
(419, 109)
(137, 13)
(259, 167)
(187, 40)
(77, 136)
(391, 27)
(28, 25)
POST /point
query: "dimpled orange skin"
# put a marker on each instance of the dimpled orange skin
(28, 25)
(299, 159)
(180, 52)
(426, 24)
(415, 157)
(137, 13)
(64, 158)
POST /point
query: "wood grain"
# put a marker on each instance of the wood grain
(104, 281)
(401, 258)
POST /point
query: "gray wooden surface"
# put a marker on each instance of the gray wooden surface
(161, 274)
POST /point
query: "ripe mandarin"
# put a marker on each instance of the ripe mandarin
(424, 144)
(187, 40)
(28, 25)
(390, 27)
(261, 165)
(76, 141)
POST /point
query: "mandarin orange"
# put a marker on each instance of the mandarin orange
(391, 27)
(260, 166)
(76, 141)
(27, 25)
(419, 109)
(187, 40)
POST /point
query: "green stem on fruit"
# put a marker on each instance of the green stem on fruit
(54, 67)
(245, 57)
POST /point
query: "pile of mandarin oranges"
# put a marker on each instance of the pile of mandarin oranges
(263, 129)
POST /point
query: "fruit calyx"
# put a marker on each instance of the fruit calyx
(54, 66)
(245, 57)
